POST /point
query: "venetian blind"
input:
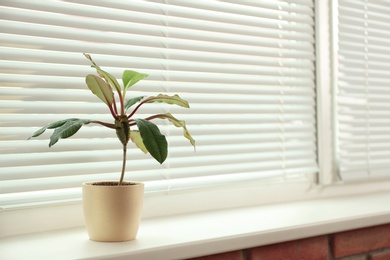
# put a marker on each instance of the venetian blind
(364, 89)
(246, 68)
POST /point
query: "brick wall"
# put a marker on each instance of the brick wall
(371, 243)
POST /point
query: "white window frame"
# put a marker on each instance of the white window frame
(69, 214)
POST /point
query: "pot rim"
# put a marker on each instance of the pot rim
(89, 183)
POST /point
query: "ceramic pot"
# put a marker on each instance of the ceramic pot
(112, 213)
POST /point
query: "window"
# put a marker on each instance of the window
(247, 69)
(363, 89)
(256, 74)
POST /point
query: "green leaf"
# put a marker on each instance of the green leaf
(132, 101)
(130, 77)
(154, 141)
(178, 123)
(63, 129)
(173, 100)
(100, 89)
(107, 76)
(49, 126)
(136, 138)
(110, 78)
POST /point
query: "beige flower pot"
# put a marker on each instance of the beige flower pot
(112, 213)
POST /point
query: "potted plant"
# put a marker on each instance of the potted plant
(112, 209)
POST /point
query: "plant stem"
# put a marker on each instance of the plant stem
(122, 102)
(135, 109)
(113, 111)
(123, 164)
(105, 124)
(132, 121)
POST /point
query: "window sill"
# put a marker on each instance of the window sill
(190, 235)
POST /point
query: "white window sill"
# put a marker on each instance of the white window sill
(191, 235)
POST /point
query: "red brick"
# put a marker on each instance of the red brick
(360, 257)
(361, 240)
(315, 248)
(234, 255)
(381, 256)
